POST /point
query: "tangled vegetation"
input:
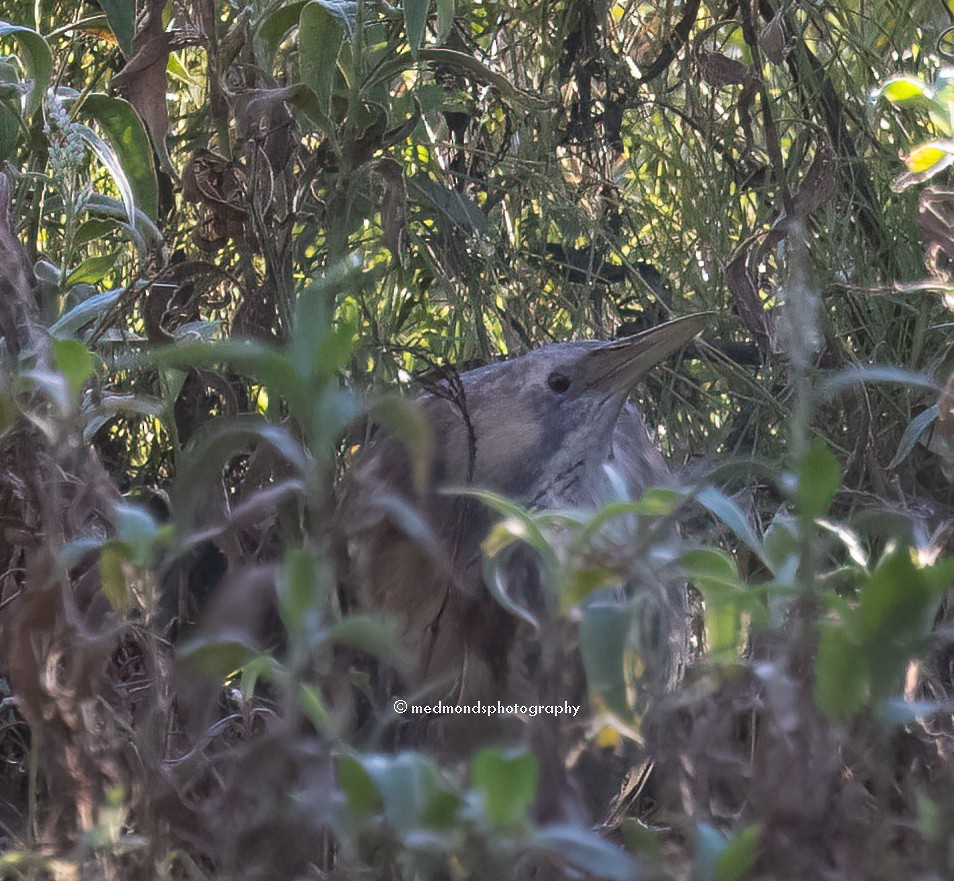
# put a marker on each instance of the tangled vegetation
(233, 235)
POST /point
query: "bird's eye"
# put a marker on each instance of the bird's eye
(558, 382)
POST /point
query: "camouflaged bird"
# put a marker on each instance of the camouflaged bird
(552, 429)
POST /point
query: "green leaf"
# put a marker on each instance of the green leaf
(916, 427)
(377, 635)
(781, 546)
(716, 576)
(465, 63)
(137, 529)
(604, 637)
(258, 360)
(445, 19)
(507, 779)
(710, 844)
(83, 313)
(313, 705)
(298, 591)
(713, 571)
(94, 229)
(319, 347)
(359, 789)
(410, 788)
(215, 444)
(36, 58)
(926, 159)
(277, 24)
(319, 40)
(586, 851)
(579, 582)
(851, 376)
(74, 361)
(92, 269)
(819, 478)
(415, 21)
(219, 657)
(520, 523)
(113, 578)
(905, 90)
(841, 681)
(723, 625)
(121, 15)
(308, 112)
(124, 132)
(894, 616)
(110, 159)
(101, 205)
(719, 504)
(739, 854)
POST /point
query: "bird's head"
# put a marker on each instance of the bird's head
(543, 423)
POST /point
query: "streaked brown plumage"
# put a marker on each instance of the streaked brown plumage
(539, 429)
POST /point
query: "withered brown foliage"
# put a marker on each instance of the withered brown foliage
(94, 694)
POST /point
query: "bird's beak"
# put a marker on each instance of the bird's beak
(615, 367)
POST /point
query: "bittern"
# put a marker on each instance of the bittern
(552, 429)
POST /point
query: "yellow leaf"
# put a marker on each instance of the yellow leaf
(608, 737)
(928, 155)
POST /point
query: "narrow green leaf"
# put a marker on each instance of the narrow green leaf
(74, 361)
(713, 571)
(841, 681)
(716, 576)
(124, 132)
(819, 478)
(313, 705)
(415, 21)
(377, 635)
(408, 784)
(781, 546)
(121, 15)
(586, 851)
(297, 589)
(137, 529)
(83, 313)
(265, 363)
(108, 156)
(604, 637)
(358, 787)
(36, 58)
(95, 229)
(308, 112)
(710, 843)
(113, 578)
(218, 657)
(732, 516)
(850, 376)
(916, 427)
(905, 90)
(739, 854)
(93, 269)
(895, 613)
(319, 41)
(465, 63)
(507, 779)
(445, 19)
(277, 24)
